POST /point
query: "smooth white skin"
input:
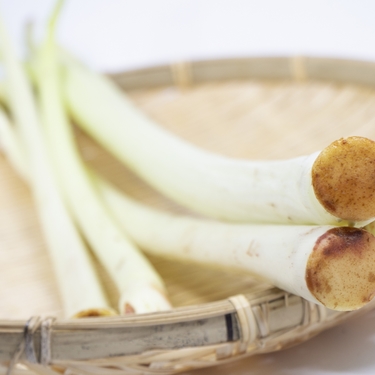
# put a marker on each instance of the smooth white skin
(219, 187)
(125, 264)
(79, 285)
(276, 253)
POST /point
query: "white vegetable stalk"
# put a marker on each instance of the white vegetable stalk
(322, 188)
(332, 266)
(79, 286)
(141, 289)
(10, 146)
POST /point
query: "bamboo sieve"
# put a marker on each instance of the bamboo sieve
(258, 108)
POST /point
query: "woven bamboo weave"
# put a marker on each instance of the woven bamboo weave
(256, 108)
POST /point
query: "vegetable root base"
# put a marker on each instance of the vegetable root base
(343, 178)
(341, 269)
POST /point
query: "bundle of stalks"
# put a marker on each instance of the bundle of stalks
(326, 264)
(61, 185)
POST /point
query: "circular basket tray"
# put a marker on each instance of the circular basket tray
(256, 108)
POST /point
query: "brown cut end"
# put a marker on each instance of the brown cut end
(340, 271)
(343, 178)
(95, 313)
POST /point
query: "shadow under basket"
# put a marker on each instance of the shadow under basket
(254, 108)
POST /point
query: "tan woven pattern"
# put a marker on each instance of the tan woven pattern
(242, 118)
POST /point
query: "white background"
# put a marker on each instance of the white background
(122, 34)
(115, 35)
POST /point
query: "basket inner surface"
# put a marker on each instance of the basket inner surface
(253, 119)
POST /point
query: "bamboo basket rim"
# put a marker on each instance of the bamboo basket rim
(244, 320)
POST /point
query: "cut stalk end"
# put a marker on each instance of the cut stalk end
(340, 270)
(343, 178)
(95, 313)
(143, 298)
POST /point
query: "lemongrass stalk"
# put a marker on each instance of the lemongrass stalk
(140, 287)
(10, 147)
(79, 286)
(332, 266)
(78, 283)
(322, 188)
